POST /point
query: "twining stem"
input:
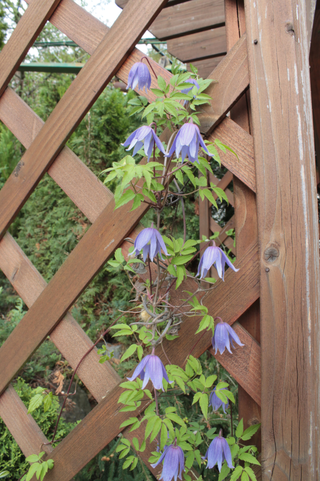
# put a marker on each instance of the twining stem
(146, 58)
(150, 276)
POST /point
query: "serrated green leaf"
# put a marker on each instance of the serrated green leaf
(163, 436)
(236, 473)
(128, 422)
(204, 403)
(239, 430)
(129, 352)
(249, 458)
(162, 83)
(47, 402)
(126, 197)
(224, 472)
(244, 476)
(32, 470)
(33, 458)
(250, 431)
(156, 429)
(35, 402)
(250, 472)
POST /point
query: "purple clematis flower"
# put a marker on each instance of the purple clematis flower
(187, 142)
(139, 75)
(190, 81)
(150, 240)
(151, 367)
(173, 463)
(223, 335)
(214, 255)
(144, 135)
(218, 452)
(216, 402)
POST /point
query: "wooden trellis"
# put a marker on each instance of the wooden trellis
(288, 261)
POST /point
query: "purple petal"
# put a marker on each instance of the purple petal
(194, 146)
(221, 338)
(139, 368)
(148, 144)
(146, 252)
(154, 465)
(203, 145)
(161, 242)
(173, 146)
(227, 453)
(143, 238)
(227, 260)
(158, 142)
(137, 147)
(233, 335)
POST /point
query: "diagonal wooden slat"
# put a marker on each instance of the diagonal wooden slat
(68, 171)
(97, 72)
(231, 80)
(24, 35)
(68, 337)
(22, 426)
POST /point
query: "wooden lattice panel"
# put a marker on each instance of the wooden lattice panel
(46, 152)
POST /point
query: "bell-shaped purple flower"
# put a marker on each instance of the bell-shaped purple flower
(214, 255)
(218, 452)
(151, 367)
(173, 463)
(216, 402)
(187, 143)
(144, 135)
(139, 75)
(190, 81)
(223, 335)
(150, 241)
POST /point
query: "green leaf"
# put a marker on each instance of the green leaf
(32, 470)
(189, 459)
(204, 403)
(35, 402)
(33, 458)
(157, 92)
(50, 463)
(129, 352)
(135, 443)
(140, 352)
(224, 472)
(127, 462)
(210, 380)
(249, 458)
(250, 431)
(134, 463)
(236, 473)
(181, 260)
(47, 402)
(239, 430)
(176, 419)
(150, 425)
(125, 198)
(162, 83)
(244, 476)
(156, 429)
(198, 457)
(119, 256)
(250, 472)
(128, 422)
(163, 436)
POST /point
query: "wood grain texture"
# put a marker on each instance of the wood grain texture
(22, 426)
(170, 3)
(68, 113)
(315, 83)
(102, 424)
(231, 79)
(23, 37)
(245, 217)
(288, 238)
(229, 133)
(185, 18)
(205, 67)
(68, 336)
(68, 171)
(211, 43)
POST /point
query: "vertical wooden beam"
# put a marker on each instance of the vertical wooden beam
(278, 51)
(245, 214)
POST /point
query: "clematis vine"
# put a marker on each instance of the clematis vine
(151, 368)
(218, 452)
(190, 81)
(150, 241)
(187, 142)
(223, 336)
(144, 136)
(213, 255)
(139, 75)
(173, 463)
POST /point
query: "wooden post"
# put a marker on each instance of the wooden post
(278, 51)
(245, 214)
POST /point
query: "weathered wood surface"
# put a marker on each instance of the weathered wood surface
(187, 18)
(288, 238)
(211, 43)
(82, 93)
(245, 215)
(23, 37)
(205, 67)
(22, 426)
(231, 80)
(68, 337)
(315, 83)
(68, 171)
(170, 3)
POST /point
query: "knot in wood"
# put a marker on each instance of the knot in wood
(271, 253)
(18, 168)
(290, 28)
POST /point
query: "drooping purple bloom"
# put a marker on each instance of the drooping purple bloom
(218, 452)
(150, 241)
(214, 255)
(139, 75)
(216, 402)
(143, 135)
(152, 368)
(190, 81)
(223, 335)
(173, 463)
(187, 142)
